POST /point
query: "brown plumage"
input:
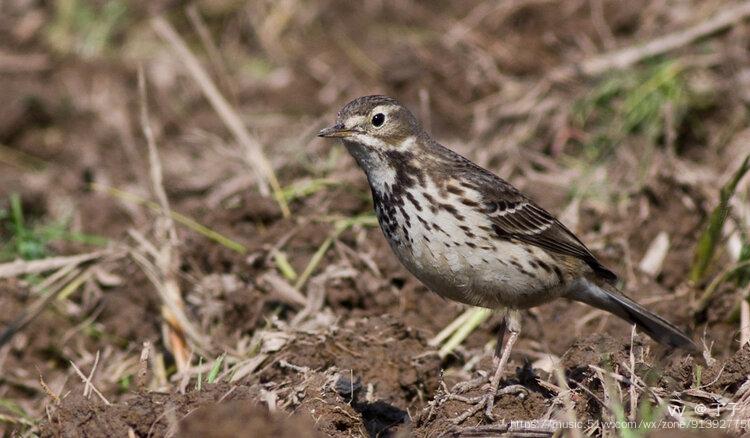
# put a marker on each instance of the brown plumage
(471, 236)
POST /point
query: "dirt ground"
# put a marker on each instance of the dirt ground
(237, 319)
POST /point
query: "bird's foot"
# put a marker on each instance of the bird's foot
(469, 385)
(484, 402)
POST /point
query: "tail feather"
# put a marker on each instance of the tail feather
(655, 326)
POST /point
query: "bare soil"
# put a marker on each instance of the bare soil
(359, 362)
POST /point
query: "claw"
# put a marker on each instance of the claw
(464, 387)
(486, 401)
(489, 404)
(478, 402)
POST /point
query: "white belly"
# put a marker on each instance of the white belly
(476, 269)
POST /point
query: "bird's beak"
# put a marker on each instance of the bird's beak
(336, 131)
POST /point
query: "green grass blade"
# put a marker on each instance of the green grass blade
(199, 380)
(282, 263)
(709, 240)
(712, 287)
(74, 285)
(17, 214)
(339, 227)
(451, 328)
(307, 188)
(215, 368)
(179, 218)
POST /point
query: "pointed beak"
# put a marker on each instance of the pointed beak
(336, 131)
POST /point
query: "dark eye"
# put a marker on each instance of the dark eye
(378, 119)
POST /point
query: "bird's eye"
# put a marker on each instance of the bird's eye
(378, 119)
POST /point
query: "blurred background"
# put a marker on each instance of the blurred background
(173, 234)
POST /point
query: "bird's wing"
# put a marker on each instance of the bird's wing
(514, 216)
(523, 220)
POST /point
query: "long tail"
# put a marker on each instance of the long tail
(614, 302)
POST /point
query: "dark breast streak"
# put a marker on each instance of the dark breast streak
(390, 202)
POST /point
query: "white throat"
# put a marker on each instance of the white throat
(379, 173)
(368, 151)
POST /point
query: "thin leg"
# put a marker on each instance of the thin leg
(514, 327)
(500, 338)
(463, 387)
(511, 323)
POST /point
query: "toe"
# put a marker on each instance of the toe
(489, 404)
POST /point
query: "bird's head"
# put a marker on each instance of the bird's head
(375, 124)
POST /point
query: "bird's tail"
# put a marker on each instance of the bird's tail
(618, 304)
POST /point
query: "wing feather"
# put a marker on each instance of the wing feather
(515, 216)
(532, 224)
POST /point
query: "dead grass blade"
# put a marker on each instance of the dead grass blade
(745, 317)
(212, 50)
(628, 56)
(247, 366)
(21, 160)
(339, 227)
(565, 397)
(475, 318)
(657, 251)
(24, 267)
(173, 312)
(252, 150)
(73, 277)
(155, 169)
(162, 270)
(140, 378)
(87, 381)
(178, 217)
(709, 240)
(281, 289)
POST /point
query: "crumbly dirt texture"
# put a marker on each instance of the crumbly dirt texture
(239, 318)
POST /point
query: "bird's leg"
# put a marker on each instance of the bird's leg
(463, 387)
(511, 323)
(500, 339)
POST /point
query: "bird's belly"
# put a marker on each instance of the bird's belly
(469, 279)
(502, 275)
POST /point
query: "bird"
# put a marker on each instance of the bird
(472, 237)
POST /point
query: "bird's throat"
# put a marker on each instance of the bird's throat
(380, 173)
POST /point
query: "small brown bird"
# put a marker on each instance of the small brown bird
(469, 235)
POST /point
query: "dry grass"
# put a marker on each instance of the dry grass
(241, 257)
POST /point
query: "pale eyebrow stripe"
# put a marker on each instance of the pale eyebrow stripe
(353, 120)
(384, 109)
